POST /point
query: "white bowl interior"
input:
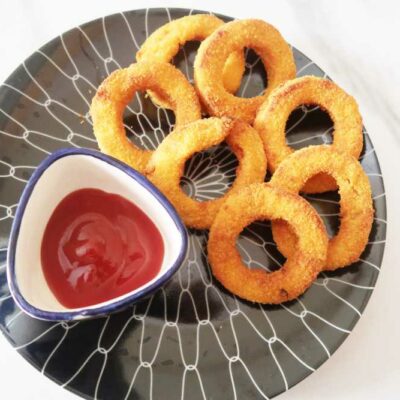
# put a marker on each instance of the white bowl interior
(64, 176)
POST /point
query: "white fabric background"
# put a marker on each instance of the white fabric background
(357, 43)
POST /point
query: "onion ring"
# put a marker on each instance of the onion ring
(230, 38)
(114, 94)
(263, 201)
(166, 166)
(341, 107)
(164, 43)
(356, 209)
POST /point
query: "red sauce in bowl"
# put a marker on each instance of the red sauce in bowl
(98, 246)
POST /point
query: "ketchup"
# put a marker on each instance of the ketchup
(97, 246)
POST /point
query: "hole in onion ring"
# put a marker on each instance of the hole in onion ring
(255, 78)
(145, 123)
(327, 206)
(184, 59)
(308, 125)
(256, 240)
(209, 174)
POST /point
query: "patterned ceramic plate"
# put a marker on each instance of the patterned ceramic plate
(192, 339)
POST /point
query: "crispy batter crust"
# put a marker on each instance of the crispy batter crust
(166, 166)
(114, 94)
(164, 43)
(342, 108)
(356, 209)
(262, 201)
(232, 37)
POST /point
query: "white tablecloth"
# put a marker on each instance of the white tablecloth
(355, 43)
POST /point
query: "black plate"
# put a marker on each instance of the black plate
(192, 339)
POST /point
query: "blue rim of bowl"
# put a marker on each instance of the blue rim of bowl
(116, 305)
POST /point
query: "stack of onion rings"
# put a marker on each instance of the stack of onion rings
(263, 201)
(166, 166)
(115, 93)
(298, 230)
(164, 43)
(356, 210)
(231, 38)
(341, 107)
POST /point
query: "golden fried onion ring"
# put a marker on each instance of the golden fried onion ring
(115, 93)
(356, 210)
(166, 166)
(341, 107)
(164, 43)
(230, 38)
(263, 201)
